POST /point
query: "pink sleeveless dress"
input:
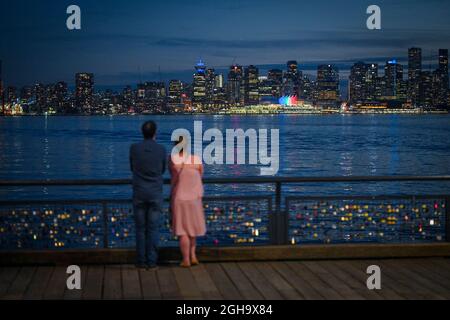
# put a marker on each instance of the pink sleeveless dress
(188, 217)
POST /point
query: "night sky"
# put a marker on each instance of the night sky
(125, 41)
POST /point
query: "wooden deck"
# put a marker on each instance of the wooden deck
(337, 279)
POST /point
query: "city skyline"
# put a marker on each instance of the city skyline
(122, 45)
(245, 87)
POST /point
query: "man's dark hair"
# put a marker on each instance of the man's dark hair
(149, 130)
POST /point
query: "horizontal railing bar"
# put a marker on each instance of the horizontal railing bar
(378, 197)
(115, 201)
(240, 180)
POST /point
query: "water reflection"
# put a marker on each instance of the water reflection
(97, 148)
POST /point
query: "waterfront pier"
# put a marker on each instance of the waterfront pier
(273, 245)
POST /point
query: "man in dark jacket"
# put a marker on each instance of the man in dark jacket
(148, 164)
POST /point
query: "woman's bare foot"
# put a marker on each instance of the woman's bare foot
(185, 264)
(194, 261)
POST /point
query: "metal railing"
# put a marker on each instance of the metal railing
(251, 220)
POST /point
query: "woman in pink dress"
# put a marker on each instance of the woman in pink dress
(188, 217)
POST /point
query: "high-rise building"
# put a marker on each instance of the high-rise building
(276, 77)
(235, 86)
(251, 84)
(426, 89)
(84, 91)
(393, 74)
(291, 79)
(175, 96)
(218, 81)
(210, 85)
(175, 91)
(414, 74)
(441, 80)
(358, 82)
(328, 86)
(371, 82)
(40, 93)
(307, 89)
(57, 95)
(199, 85)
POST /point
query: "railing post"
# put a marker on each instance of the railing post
(273, 220)
(281, 235)
(105, 226)
(447, 218)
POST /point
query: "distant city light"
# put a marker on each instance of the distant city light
(288, 101)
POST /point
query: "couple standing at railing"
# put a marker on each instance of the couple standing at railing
(148, 161)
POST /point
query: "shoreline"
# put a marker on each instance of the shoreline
(235, 114)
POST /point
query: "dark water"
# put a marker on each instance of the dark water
(337, 145)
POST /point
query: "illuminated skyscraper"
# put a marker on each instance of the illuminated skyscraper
(84, 91)
(426, 89)
(393, 74)
(291, 79)
(371, 82)
(235, 85)
(358, 82)
(218, 81)
(175, 93)
(328, 86)
(276, 77)
(251, 84)
(441, 80)
(414, 74)
(210, 85)
(199, 85)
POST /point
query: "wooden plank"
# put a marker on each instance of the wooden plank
(39, 283)
(223, 283)
(93, 288)
(112, 283)
(355, 279)
(314, 281)
(305, 289)
(279, 283)
(7, 276)
(18, 287)
(433, 289)
(436, 279)
(329, 278)
(245, 287)
(441, 266)
(167, 284)
(393, 278)
(149, 285)
(391, 289)
(266, 289)
(434, 266)
(131, 284)
(186, 283)
(205, 283)
(57, 284)
(398, 273)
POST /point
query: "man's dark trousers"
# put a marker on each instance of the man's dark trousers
(147, 215)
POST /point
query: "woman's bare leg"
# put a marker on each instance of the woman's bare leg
(193, 247)
(185, 249)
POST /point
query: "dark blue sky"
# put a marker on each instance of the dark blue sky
(121, 40)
